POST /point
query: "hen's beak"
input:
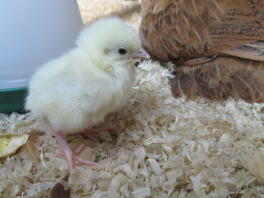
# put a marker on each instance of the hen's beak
(142, 54)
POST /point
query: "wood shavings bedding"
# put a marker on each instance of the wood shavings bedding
(164, 147)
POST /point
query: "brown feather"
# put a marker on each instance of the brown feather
(198, 28)
(252, 51)
(190, 32)
(220, 79)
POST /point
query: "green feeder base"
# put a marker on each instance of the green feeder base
(12, 100)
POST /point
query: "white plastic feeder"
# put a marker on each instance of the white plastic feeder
(33, 32)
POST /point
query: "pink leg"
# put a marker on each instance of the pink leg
(72, 158)
(65, 149)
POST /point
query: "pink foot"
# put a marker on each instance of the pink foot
(71, 157)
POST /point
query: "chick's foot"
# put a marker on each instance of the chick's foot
(71, 157)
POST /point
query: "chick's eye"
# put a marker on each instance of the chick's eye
(122, 51)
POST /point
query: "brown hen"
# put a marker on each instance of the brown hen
(217, 45)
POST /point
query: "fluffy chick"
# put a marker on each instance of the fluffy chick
(77, 90)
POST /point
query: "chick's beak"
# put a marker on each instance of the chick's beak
(142, 54)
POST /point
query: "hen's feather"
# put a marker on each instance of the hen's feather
(220, 79)
(186, 28)
(196, 32)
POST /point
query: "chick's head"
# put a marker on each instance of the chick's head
(110, 40)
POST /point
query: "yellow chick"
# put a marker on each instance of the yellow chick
(77, 90)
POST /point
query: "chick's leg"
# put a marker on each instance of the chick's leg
(71, 157)
(64, 148)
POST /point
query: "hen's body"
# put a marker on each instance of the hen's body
(190, 33)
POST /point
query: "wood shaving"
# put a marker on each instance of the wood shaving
(10, 143)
